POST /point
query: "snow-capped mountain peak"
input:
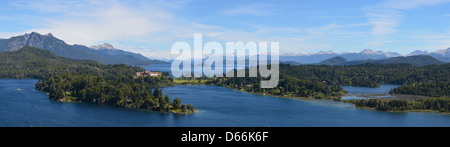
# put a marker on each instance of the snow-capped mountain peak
(103, 46)
(419, 52)
(444, 52)
(368, 52)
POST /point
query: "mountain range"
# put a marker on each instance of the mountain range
(99, 53)
(367, 54)
(107, 54)
(418, 60)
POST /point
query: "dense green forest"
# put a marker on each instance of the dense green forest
(369, 74)
(437, 104)
(139, 93)
(288, 86)
(432, 89)
(34, 63)
(89, 81)
(324, 81)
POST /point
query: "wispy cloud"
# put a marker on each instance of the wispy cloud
(410, 4)
(252, 9)
(387, 16)
(379, 43)
(384, 21)
(150, 27)
(88, 22)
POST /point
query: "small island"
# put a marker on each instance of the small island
(96, 90)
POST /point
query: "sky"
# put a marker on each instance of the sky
(151, 27)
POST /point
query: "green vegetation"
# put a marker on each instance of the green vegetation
(90, 82)
(288, 86)
(323, 82)
(368, 75)
(433, 89)
(138, 93)
(437, 104)
(193, 81)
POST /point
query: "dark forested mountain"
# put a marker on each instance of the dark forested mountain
(307, 59)
(333, 61)
(414, 60)
(111, 50)
(321, 56)
(443, 55)
(30, 62)
(60, 48)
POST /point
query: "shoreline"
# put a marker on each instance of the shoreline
(406, 111)
(338, 99)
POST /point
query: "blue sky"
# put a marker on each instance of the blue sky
(150, 27)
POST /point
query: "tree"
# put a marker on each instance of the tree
(167, 99)
(190, 107)
(176, 103)
(183, 108)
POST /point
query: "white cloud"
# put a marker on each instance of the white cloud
(387, 16)
(253, 9)
(384, 22)
(105, 22)
(379, 43)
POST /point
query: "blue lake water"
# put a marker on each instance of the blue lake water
(218, 106)
(167, 67)
(368, 92)
(158, 67)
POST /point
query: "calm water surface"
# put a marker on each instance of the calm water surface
(218, 106)
(368, 92)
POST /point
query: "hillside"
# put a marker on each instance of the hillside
(333, 61)
(30, 62)
(60, 48)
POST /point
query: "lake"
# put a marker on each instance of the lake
(167, 67)
(381, 92)
(218, 107)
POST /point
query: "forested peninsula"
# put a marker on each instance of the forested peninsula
(90, 82)
(325, 81)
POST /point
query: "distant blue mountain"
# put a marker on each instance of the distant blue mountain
(419, 60)
(313, 58)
